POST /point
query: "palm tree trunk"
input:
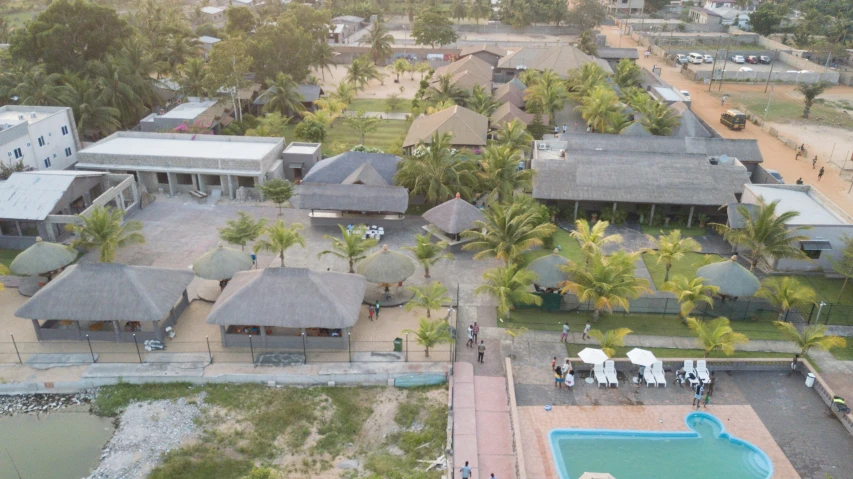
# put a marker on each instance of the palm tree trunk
(281, 255)
(595, 315)
(426, 351)
(666, 276)
(351, 269)
(426, 273)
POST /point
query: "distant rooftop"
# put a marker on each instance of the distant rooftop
(11, 115)
(32, 195)
(185, 111)
(212, 10)
(208, 40)
(302, 148)
(183, 145)
(812, 210)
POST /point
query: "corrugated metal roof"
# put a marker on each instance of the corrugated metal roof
(32, 196)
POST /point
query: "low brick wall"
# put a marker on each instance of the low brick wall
(515, 423)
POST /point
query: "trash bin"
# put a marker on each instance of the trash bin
(809, 380)
(398, 345)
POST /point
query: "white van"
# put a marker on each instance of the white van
(695, 58)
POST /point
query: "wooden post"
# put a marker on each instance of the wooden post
(263, 336)
(614, 207)
(651, 215)
(37, 328)
(690, 217)
(117, 329)
(577, 204)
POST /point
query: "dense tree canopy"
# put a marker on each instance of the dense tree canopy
(433, 27)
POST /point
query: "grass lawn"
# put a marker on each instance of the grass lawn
(643, 324)
(571, 249)
(665, 230)
(844, 354)
(379, 104)
(827, 289)
(663, 353)
(785, 108)
(7, 255)
(686, 267)
(341, 138)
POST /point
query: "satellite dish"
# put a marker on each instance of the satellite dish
(724, 159)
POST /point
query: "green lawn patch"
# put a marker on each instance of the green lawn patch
(342, 138)
(665, 230)
(827, 289)
(380, 105)
(417, 210)
(844, 354)
(663, 353)
(7, 255)
(686, 267)
(642, 324)
(784, 108)
(570, 248)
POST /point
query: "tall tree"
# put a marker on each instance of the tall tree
(431, 333)
(351, 246)
(361, 71)
(323, 59)
(362, 124)
(119, 87)
(38, 88)
(690, 293)
(499, 173)
(239, 21)
(514, 135)
(593, 237)
(481, 101)
(587, 14)
(510, 286)
(657, 117)
(611, 339)
(104, 229)
(785, 293)
(716, 335)
(431, 296)
(813, 336)
(428, 253)
(279, 238)
(401, 66)
(810, 92)
(549, 91)
(605, 282)
(278, 191)
(193, 79)
(445, 89)
(94, 119)
(627, 73)
(586, 43)
(480, 9)
(765, 235)
(583, 81)
(460, 10)
(271, 124)
(439, 173)
(433, 27)
(765, 19)
(345, 92)
(282, 96)
(673, 247)
(380, 40)
(598, 108)
(242, 230)
(229, 64)
(507, 231)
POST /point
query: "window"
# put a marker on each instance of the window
(18, 154)
(67, 152)
(47, 162)
(163, 178)
(41, 141)
(64, 130)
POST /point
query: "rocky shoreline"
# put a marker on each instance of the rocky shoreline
(41, 403)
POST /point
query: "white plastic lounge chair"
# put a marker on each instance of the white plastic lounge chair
(649, 377)
(657, 371)
(598, 371)
(690, 373)
(610, 373)
(702, 371)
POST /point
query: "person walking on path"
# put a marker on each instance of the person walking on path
(558, 378)
(492, 476)
(465, 471)
(820, 173)
(470, 342)
(556, 129)
(476, 331)
(481, 349)
(565, 127)
(565, 336)
(697, 396)
(586, 330)
(370, 312)
(794, 364)
(576, 126)
(799, 181)
(814, 161)
(377, 310)
(554, 363)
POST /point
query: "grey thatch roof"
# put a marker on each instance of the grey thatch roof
(371, 199)
(732, 278)
(547, 268)
(635, 129)
(736, 220)
(617, 53)
(366, 174)
(637, 178)
(454, 216)
(483, 47)
(466, 73)
(338, 168)
(108, 292)
(468, 128)
(509, 112)
(689, 125)
(510, 92)
(560, 58)
(222, 263)
(42, 257)
(290, 298)
(386, 266)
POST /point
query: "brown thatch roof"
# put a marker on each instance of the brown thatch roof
(509, 112)
(510, 92)
(42, 257)
(483, 47)
(290, 298)
(454, 216)
(386, 266)
(108, 292)
(548, 269)
(468, 128)
(222, 263)
(466, 73)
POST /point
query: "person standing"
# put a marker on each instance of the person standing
(640, 374)
(797, 156)
(377, 310)
(564, 370)
(476, 331)
(588, 129)
(558, 378)
(481, 350)
(554, 363)
(799, 181)
(814, 161)
(565, 336)
(565, 127)
(820, 173)
(709, 389)
(470, 342)
(794, 363)
(586, 330)
(556, 129)
(465, 471)
(697, 394)
(576, 126)
(370, 312)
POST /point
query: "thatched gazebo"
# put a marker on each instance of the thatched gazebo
(547, 268)
(387, 267)
(218, 266)
(278, 305)
(108, 302)
(41, 258)
(452, 218)
(732, 279)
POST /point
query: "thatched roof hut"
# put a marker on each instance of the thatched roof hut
(454, 216)
(290, 298)
(42, 257)
(386, 266)
(548, 269)
(222, 263)
(732, 278)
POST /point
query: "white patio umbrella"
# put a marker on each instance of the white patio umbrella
(592, 356)
(641, 357)
(597, 475)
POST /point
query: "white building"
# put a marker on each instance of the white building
(42, 137)
(624, 6)
(214, 16)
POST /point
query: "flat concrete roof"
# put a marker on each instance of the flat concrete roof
(9, 114)
(185, 111)
(167, 147)
(302, 149)
(811, 211)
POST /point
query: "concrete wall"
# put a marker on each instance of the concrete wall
(783, 76)
(833, 234)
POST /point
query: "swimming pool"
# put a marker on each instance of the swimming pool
(707, 451)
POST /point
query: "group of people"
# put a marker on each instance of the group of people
(564, 375)
(564, 338)
(373, 310)
(701, 391)
(473, 332)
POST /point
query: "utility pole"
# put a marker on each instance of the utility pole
(714, 65)
(775, 56)
(725, 63)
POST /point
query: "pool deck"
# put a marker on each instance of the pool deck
(536, 424)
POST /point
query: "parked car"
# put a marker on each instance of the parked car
(764, 59)
(775, 174)
(681, 58)
(746, 69)
(738, 58)
(709, 59)
(695, 58)
(685, 94)
(752, 59)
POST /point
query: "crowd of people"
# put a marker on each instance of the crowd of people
(564, 374)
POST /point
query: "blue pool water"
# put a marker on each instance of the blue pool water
(706, 452)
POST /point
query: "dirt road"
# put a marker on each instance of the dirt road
(776, 155)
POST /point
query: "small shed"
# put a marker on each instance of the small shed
(452, 218)
(108, 302)
(289, 308)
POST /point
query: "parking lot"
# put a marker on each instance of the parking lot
(731, 66)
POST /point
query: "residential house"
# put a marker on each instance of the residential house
(614, 55)
(207, 43)
(197, 112)
(299, 158)
(468, 128)
(512, 92)
(344, 26)
(39, 137)
(561, 59)
(490, 54)
(624, 6)
(509, 112)
(466, 73)
(214, 15)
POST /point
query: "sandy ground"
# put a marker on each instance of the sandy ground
(822, 141)
(376, 88)
(776, 155)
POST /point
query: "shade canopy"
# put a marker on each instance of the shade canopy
(290, 298)
(641, 357)
(592, 356)
(108, 292)
(596, 475)
(386, 266)
(547, 268)
(732, 278)
(222, 263)
(42, 257)
(454, 216)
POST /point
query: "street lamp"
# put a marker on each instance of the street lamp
(819, 307)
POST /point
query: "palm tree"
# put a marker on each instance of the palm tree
(379, 40)
(785, 293)
(411, 6)
(102, 229)
(499, 173)
(509, 285)
(431, 333)
(597, 108)
(611, 339)
(350, 246)
(515, 135)
(38, 88)
(479, 9)
(361, 71)
(428, 253)
(592, 238)
(194, 78)
(765, 234)
(120, 87)
(606, 282)
(617, 122)
(282, 95)
(635, 97)
(94, 119)
(813, 336)
(323, 58)
(580, 82)
(507, 231)
(481, 101)
(627, 73)
(810, 92)
(430, 296)
(549, 91)
(439, 174)
(690, 293)
(586, 43)
(400, 67)
(658, 118)
(460, 10)
(279, 238)
(445, 89)
(345, 92)
(673, 247)
(716, 335)
(178, 48)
